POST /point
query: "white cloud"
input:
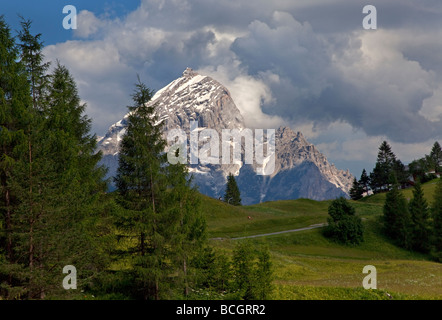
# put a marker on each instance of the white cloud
(87, 24)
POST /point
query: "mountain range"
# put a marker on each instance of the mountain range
(300, 169)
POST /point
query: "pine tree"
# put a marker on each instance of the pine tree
(437, 222)
(244, 270)
(356, 190)
(263, 275)
(232, 194)
(142, 187)
(184, 211)
(386, 165)
(31, 169)
(420, 225)
(364, 181)
(66, 189)
(396, 218)
(436, 156)
(14, 121)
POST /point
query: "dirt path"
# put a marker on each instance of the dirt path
(313, 226)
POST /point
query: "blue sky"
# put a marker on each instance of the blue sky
(47, 15)
(307, 64)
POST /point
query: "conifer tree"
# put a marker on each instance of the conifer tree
(420, 225)
(364, 181)
(397, 221)
(437, 222)
(31, 169)
(381, 173)
(436, 156)
(184, 212)
(66, 189)
(142, 187)
(263, 275)
(232, 194)
(14, 121)
(356, 190)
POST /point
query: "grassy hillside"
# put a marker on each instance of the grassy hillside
(309, 266)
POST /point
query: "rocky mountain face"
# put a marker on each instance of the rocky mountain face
(194, 102)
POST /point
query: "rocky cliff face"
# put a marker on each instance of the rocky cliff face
(300, 169)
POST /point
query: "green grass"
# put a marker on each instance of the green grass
(309, 266)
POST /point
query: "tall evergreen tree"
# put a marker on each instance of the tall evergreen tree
(420, 224)
(364, 181)
(356, 190)
(142, 185)
(32, 168)
(184, 212)
(59, 190)
(396, 218)
(232, 194)
(14, 122)
(437, 222)
(436, 157)
(386, 166)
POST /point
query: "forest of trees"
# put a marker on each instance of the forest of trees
(389, 170)
(414, 224)
(146, 240)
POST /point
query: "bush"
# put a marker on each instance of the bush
(343, 224)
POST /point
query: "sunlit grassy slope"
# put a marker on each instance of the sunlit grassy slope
(309, 266)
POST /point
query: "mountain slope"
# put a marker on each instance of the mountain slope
(300, 169)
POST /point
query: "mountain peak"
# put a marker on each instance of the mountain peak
(189, 73)
(300, 169)
(287, 134)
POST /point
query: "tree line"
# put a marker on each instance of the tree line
(413, 223)
(146, 240)
(389, 169)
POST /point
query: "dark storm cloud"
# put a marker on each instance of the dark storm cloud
(386, 100)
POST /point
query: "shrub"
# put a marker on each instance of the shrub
(343, 224)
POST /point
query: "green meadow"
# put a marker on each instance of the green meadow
(309, 266)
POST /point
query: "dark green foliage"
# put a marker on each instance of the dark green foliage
(343, 225)
(436, 157)
(387, 166)
(437, 222)
(141, 182)
(420, 224)
(364, 181)
(214, 270)
(50, 182)
(396, 218)
(356, 190)
(252, 272)
(15, 117)
(232, 194)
